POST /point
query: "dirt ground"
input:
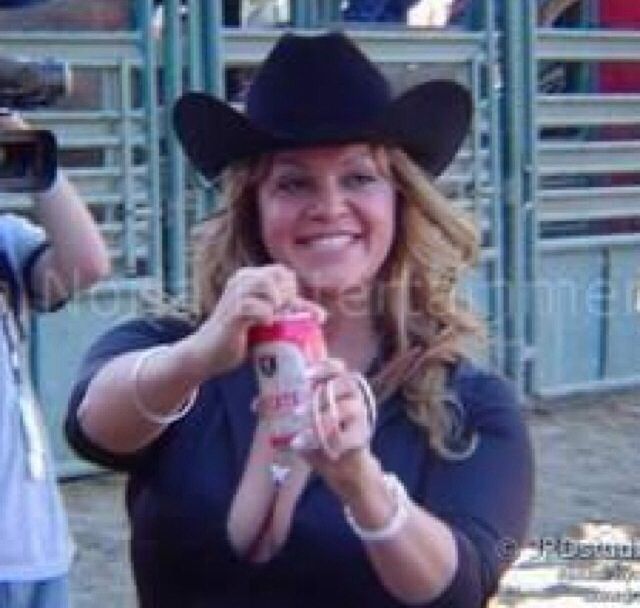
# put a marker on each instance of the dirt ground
(587, 469)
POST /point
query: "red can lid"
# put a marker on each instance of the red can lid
(296, 327)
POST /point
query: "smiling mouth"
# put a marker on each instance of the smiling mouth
(329, 242)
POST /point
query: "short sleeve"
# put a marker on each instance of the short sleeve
(486, 498)
(21, 238)
(23, 243)
(133, 335)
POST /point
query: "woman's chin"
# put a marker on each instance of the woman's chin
(333, 288)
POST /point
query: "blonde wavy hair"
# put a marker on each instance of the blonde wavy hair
(424, 324)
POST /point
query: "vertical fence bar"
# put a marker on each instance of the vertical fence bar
(130, 244)
(588, 73)
(108, 99)
(337, 10)
(300, 13)
(606, 288)
(513, 170)
(175, 225)
(150, 84)
(196, 75)
(494, 98)
(323, 13)
(315, 14)
(530, 191)
(212, 47)
(196, 82)
(212, 34)
(333, 11)
(476, 137)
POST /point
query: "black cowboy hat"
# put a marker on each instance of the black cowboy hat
(315, 90)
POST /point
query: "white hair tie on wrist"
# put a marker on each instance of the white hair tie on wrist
(162, 419)
(369, 400)
(317, 416)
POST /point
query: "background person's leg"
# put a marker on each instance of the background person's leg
(51, 593)
(16, 594)
(48, 593)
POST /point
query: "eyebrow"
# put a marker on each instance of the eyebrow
(279, 162)
(347, 159)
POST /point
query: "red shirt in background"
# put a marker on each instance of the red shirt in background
(620, 77)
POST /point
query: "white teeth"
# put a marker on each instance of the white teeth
(331, 242)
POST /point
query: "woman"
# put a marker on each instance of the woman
(325, 209)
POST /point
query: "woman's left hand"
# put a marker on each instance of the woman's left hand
(341, 419)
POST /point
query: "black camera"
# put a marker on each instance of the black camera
(28, 158)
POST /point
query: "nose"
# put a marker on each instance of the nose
(331, 202)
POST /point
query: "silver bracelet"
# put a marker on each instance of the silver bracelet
(397, 521)
(162, 419)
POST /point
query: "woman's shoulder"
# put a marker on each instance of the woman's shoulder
(148, 329)
(136, 334)
(485, 393)
(480, 381)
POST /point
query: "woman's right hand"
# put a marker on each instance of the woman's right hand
(252, 296)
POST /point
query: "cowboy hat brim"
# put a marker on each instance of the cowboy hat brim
(429, 122)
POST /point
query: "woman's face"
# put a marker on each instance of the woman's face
(329, 214)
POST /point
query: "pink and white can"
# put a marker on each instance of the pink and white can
(282, 352)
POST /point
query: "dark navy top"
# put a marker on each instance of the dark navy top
(181, 486)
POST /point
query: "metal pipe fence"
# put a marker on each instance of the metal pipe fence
(552, 175)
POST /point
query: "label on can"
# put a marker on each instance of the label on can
(281, 352)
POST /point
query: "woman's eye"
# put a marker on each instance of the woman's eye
(292, 184)
(359, 179)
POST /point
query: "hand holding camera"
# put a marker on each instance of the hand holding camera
(28, 157)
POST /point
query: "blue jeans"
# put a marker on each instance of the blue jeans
(48, 593)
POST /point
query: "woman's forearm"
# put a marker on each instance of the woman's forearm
(416, 564)
(254, 496)
(108, 413)
(261, 512)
